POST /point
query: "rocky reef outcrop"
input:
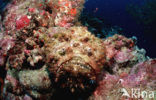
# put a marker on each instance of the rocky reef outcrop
(47, 54)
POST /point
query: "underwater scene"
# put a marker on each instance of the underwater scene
(77, 50)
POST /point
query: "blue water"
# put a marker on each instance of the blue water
(114, 12)
(3, 4)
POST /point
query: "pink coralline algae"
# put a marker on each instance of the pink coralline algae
(6, 44)
(118, 47)
(66, 11)
(48, 54)
(141, 77)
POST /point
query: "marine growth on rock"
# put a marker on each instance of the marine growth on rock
(48, 54)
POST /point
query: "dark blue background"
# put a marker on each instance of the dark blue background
(114, 12)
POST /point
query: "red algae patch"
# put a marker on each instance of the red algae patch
(22, 22)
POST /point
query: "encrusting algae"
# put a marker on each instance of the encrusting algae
(48, 54)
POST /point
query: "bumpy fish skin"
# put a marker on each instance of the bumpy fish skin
(75, 52)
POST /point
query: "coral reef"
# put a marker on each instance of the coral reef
(47, 53)
(141, 78)
(122, 53)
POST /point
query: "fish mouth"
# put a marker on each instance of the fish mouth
(75, 74)
(77, 65)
